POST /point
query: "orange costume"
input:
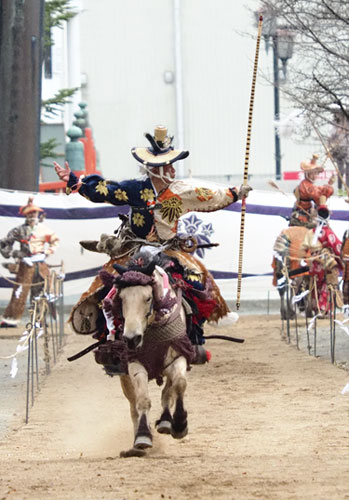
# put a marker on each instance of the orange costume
(309, 196)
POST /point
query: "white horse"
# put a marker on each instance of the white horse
(155, 345)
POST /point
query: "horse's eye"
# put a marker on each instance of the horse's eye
(148, 299)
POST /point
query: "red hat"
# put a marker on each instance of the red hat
(29, 207)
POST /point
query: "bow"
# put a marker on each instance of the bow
(247, 157)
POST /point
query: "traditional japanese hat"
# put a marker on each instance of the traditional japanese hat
(312, 166)
(29, 207)
(160, 152)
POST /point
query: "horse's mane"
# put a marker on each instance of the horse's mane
(144, 258)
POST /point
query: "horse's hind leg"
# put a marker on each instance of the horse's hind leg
(177, 375)
(139, 378)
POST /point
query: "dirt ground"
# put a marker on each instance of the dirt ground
(266, 421)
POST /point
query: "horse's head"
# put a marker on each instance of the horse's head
(141, 291)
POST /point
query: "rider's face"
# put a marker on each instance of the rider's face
(33, 218)
(312, 175)
(165, 174)
(169, 173)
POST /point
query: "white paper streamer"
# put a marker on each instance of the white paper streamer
(299, 297)
(341, 325)
(312, 322)
(14, 368)
(345, 389)
(21, 348)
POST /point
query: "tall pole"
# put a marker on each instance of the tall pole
(178, 82)
(276, 107)
(74, 59)
(247, 159)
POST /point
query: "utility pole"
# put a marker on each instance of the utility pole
(276, 107)
(21, 38)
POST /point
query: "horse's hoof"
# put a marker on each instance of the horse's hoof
(133, 452)
(164, 427)
(179, 434)
(142, 442)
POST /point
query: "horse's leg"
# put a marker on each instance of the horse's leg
(164, 424)
(139, 379)
(290, 307)
(283, 312)
(177, 374)
(128, 390)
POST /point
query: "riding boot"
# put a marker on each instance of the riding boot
(90, 245)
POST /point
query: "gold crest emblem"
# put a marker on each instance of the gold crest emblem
(147, 194)
(171, 209)
(120, 195)
(101, 188)
(138, 219)
(204, 194)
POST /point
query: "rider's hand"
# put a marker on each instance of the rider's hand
(243, 191)
(62, 172)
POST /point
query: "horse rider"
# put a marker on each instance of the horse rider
(36, 241)
(325, 262)
(157, 201)
(309, 196)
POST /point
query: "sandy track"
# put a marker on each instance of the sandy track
(265, 421)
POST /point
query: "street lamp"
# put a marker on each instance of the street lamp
(282, 42)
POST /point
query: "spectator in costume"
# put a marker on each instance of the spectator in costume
(36, 242)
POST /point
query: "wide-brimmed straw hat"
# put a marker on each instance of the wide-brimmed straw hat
(29, 207)
(312, 166)
(160, 152)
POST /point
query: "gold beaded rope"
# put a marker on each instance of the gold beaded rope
(247, 156)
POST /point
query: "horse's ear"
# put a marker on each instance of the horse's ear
(149, 269)
(120, 269)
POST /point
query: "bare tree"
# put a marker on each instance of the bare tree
(318, 74)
